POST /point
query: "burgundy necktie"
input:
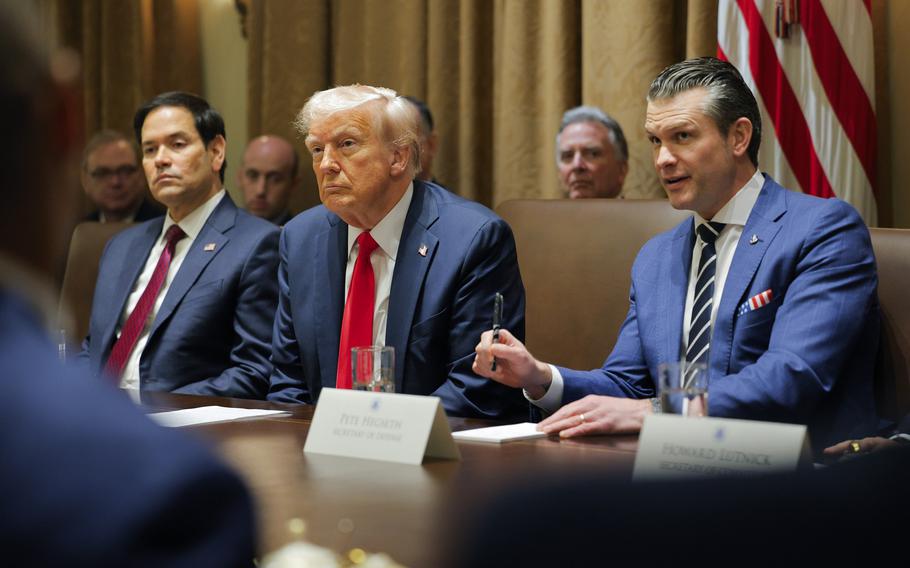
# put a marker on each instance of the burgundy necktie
(135, 323)
(357, 325)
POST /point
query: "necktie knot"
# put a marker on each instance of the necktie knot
(173, 235)
(366, 243)
(708, 232)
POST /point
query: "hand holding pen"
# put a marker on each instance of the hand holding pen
(497, 322)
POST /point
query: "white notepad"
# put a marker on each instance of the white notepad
(500, 434)
(211, 415)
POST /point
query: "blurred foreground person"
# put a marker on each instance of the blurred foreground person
(87, 480)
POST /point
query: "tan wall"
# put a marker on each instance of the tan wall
(224, 78)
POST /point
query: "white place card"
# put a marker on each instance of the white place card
(500, 434)
(677, 447)
(400, 428)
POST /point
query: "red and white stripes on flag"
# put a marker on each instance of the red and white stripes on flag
(810, 65)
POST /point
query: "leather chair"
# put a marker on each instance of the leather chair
(892, 372)
(576, 257)
(78, 289)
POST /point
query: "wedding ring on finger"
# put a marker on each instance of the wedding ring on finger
(854, 447)
(582, 417)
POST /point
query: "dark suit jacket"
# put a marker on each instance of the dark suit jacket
(88, 481)
(440, 303)
(147, 210)
(212, 333)
(806, 357)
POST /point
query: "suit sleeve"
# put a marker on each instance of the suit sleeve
(490, 266)
(257, 293)
(287, 382)
(829, 308)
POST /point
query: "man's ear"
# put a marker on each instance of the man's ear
(740, 136)
(217, 146)
(401, 157)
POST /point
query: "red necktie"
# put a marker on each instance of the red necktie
(135, 323)
(357, 325)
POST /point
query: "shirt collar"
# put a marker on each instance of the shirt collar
(192, 224)
(387, 233)
(737, 210)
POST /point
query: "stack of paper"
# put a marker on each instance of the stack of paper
(500, 434)
(211, 415)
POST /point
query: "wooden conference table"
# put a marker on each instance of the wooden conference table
(410, 512)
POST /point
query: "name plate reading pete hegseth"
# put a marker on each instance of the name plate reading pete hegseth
(401, 428)
(677, 447)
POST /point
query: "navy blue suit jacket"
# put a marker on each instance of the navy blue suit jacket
(88, 481)
(440, 303)
(212, 333)
(807, 357)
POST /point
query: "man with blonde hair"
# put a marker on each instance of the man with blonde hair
(388, 260)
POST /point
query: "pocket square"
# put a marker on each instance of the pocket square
(757, 301)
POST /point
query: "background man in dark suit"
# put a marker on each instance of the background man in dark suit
(269, 174)
(591, 154)
(783, 310)
(86, 479)
(435, 262)
(113, 181)
(185, 302)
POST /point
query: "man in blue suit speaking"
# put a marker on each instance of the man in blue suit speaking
(776, 294)
(387, 259)
(185, 302)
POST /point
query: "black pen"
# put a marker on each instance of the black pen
(497, 322)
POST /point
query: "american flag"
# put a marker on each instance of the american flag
(810, 65)
(755, 302)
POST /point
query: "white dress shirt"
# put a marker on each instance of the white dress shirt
(387, 234)
(734, 215)
(191, 224)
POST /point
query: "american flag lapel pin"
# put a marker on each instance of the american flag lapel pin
(422, 251)
(209, 247)
(757, 301)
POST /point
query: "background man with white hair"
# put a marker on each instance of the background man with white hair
(433, 261)
(591, 154)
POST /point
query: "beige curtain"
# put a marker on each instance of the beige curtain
(497, 75)
(130, 50)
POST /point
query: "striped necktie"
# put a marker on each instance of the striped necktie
(700, 319)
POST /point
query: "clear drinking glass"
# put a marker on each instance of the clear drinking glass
(373, 368)
(683, 388)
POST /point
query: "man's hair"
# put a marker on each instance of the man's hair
(103, 138)
(209, 123)
(729, 98)
(594, 114)
(426, 117)
(395, 121)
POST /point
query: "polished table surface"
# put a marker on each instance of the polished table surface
(410, 512)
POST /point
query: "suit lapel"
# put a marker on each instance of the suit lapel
(331, 252)
(132, 261)
(763, 223)
(410, 270)
(675, 285)
(198, 257)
